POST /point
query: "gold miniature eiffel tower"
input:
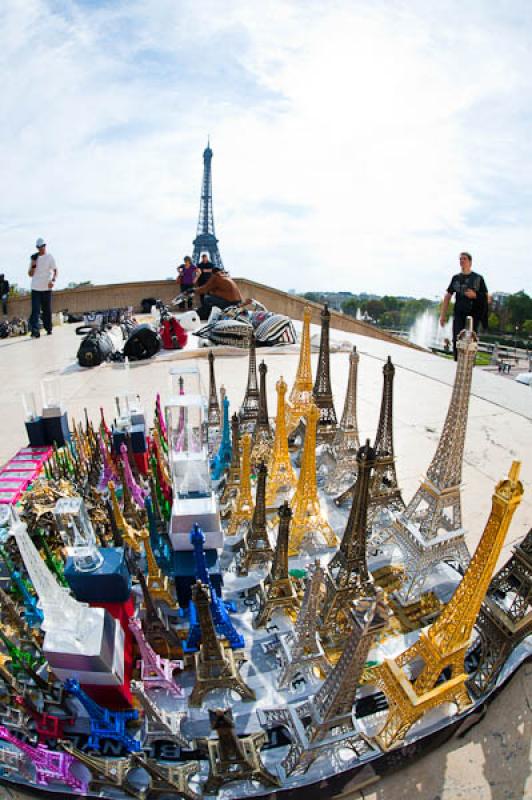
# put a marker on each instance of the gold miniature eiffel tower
(281, 474)
(158, 584)
(167, 779)
(301, 394)
(308, 519)
(262, 434)
(129, 534)
(256, 548)
(215, 663)
(442, 647)
(243, 508)
(278, 590)
(232, 757)
(105, 771)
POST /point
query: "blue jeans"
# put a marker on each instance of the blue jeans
(41, 302)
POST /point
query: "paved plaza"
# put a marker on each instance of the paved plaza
(493, 759)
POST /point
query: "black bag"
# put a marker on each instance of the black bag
(4, 330)
(95, 348)
(143, 343)
(147, 303)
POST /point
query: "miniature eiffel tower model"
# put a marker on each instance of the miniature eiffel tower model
(158, 723)
(330, 710)
(232, 757)
(232, 480)
(262, 435)
(300, 398)
(249, 410)
(308, 519)
(346, 441)
(167, 779)
(154, 624)
(281, 475)
(430, 530)
(277, 591)
(322, 390)
(105, 771)
(130, 536)
(159, 585)
(442, 647)
(243, 507)
(214, 663)
(131, 512)
(505, 617)
(256, 549)
(384, 491)
(155, 672)
(347, 575)
(301, 652)
(223, 456)
(214, 419)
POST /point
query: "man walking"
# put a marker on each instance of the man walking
(4, 292)
(43, 274)
(471, 299)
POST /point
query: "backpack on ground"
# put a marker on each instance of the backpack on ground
(143, 342)
(173, 335)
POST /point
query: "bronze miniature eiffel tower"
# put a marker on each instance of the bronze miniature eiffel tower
(249, 410)
(155, 626)
(384, 491)
(105, 771)
(232, 481)
(277, 591)
(322, 391)
(347, 575)
(324, 723)
(441, 648)
(346, 441)
(430, 530)
(505, 616)
(214, 418)
(215, 664)
(169, 780)
(232, 757)
(262, 435)
(301, 651)
(256, 549)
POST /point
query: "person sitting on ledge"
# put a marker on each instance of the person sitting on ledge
(220, 291)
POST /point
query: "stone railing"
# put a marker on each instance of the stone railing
(121, 295)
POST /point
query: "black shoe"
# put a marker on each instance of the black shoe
(48, 333)
(35, 335)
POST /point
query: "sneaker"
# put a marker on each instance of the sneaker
(48, 333)
(35, 335)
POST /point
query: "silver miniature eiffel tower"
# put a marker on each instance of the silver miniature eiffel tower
(215, 664)
(346, 441)
(158, 724)
(430, 530)
(330, 710)
(232, 757)
(249, 410)
(277, 591)
(301, 651)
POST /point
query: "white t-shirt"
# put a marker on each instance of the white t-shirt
(44, 272)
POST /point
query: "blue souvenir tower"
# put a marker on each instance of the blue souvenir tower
(222, 459)
(104, 724)
(222, 623)
(33, 615)
(206, 240)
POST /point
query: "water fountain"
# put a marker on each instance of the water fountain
(426, 330)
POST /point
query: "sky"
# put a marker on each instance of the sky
(359, 145)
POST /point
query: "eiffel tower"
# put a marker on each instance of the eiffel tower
(215, 664)
(256, 549)
(384, 491)
(277, 591)
(249, 410)
(324, 723)
(505, 617)
(346, 441)
(430, 530)
(206, 240)
(347, 575)
(322, 391)
(262, 435)
(432, 671)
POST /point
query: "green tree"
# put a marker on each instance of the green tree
(350, 307)
(493, 321)
(527, 327)
(519, 307)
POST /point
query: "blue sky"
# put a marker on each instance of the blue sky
(358, 145)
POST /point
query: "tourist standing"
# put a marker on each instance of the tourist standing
(187, 276)
(43, 274)
(205, 268)
(471, 299)
(4, 292)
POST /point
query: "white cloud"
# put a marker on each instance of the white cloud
(357, 145)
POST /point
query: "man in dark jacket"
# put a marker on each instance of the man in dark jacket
(471, 299)
(4, 292)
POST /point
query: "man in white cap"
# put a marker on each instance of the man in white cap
(43, 274)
